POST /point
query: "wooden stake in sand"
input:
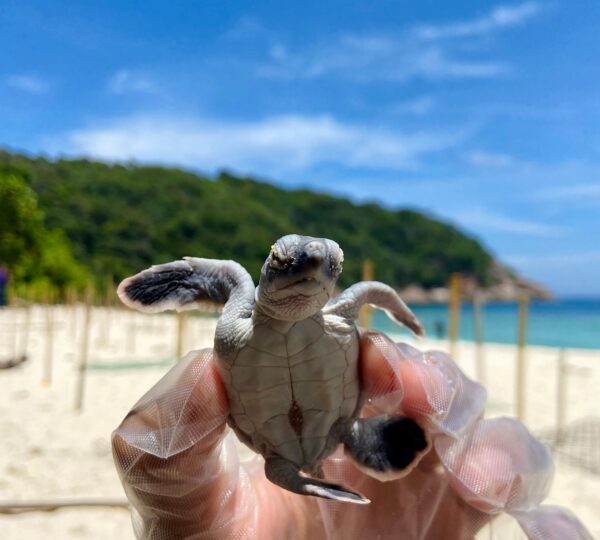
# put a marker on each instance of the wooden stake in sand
(478, 337)
(131, 335)
(521, 367)
(561, 396)
(454, 311)
(366, 312)
(72, 310)
(70, 296)
(180, 337)
(14, 334)
(49, 349)
(19, 507)
(24, 344)
(83, 353)
(109, 295)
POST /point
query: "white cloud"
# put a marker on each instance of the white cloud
(498, 18)
(486, 220)
(126, 82)
(418, 106)
(585, 192)
(270, 146)
(567, 272)
(30, 84)
(374, 58)
(278, 52)
(435, 64)
(561, 260)
(245, 28)
(481, 158)
(369, 43)
(415, 53)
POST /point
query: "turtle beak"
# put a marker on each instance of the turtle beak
(313, 276)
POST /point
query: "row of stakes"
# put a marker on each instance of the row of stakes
(454, 303)
(19, 348)
(564, 368)
(19, 340)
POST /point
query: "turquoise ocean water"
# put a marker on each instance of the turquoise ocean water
(560, 323)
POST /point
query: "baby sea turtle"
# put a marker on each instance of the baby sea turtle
(287, 352)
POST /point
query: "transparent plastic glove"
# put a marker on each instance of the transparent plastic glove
(184, 480)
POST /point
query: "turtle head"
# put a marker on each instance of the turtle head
(298, 277)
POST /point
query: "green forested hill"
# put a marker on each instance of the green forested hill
(120, 219)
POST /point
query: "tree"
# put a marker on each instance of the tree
(122, 218)
(36, 257)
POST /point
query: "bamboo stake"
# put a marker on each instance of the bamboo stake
(521, 367)
(49, 349)
(454, 311)
(15, 332)
(109, 297)
(180, 331)
(478, 336)
(83, 353)
(18, 507)
(131, 335)
(365, 315)
(24, 344)
(193, 330)
(104, 338)
(206, 333)
(561, 396)
(72, 303)
(70, 296)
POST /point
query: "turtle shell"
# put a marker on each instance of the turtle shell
(290, 382)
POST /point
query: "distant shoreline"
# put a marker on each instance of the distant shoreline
(499, 301)
(572, 323)
(443, 344)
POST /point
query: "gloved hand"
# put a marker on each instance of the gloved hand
(183, 478)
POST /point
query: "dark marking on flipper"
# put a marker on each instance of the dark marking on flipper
(402, 439)
(183, 284)
(175, 283)
(384, 444)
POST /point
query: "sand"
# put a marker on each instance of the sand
(50, 451)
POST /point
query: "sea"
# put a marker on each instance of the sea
(569, 323)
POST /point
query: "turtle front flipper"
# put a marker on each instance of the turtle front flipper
(386, 447)
(184, 284)
(379, 295)
(285, 474)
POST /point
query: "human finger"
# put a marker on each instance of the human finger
(498, 466)
(170, 456)
(428, 386)
(494, 465)
(552, 523)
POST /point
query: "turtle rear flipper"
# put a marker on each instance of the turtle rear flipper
(386, 447)
(285, 474)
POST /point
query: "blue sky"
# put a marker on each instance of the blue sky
(482, 113)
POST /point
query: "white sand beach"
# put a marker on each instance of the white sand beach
(50, 451)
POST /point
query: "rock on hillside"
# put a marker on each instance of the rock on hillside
(507, 287)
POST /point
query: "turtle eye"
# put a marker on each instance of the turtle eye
(336, 263)
(277, 260)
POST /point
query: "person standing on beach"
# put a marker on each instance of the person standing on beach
(3, 285)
